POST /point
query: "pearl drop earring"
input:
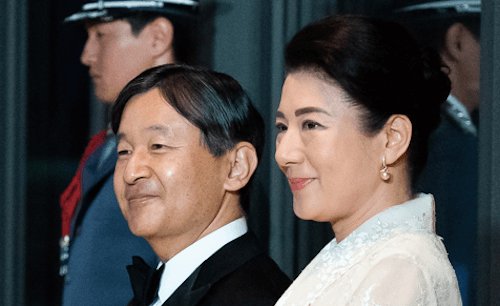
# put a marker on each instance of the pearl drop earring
(384, 172)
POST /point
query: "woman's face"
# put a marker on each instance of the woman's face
(332, 166)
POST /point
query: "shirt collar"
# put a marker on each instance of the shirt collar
(182, 265)
(457, 111)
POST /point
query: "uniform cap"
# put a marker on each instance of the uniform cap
(112, 9)
(443, 7)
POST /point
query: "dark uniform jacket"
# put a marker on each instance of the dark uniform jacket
(101, 243)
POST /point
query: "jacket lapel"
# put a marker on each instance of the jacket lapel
(186, 294)
(226, 260)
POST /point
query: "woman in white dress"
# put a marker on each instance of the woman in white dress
(357, 107)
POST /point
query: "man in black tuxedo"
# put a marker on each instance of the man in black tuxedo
(189, 141)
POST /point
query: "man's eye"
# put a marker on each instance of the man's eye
(123, 152)
(157, 146)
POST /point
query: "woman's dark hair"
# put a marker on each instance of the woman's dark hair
(382, 69)
(213, 102)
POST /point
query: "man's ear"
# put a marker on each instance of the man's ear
(243, 158)
(452, 48)
(397, 132)
(162, 35)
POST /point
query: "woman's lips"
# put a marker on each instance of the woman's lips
(297, 184)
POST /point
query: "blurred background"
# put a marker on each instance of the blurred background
(48, 113)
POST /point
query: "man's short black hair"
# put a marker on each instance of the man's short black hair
(185, 29)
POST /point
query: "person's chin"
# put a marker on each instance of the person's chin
(103, 96)
(140, 228)
(302, 210)
(139, 220)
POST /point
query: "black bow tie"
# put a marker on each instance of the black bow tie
(145, 281)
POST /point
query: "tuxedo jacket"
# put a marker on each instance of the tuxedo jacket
(101, 243)
(238, 274)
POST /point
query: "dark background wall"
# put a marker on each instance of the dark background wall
(57, 131)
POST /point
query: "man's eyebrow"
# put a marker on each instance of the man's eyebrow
(166, 130)
(119, 136)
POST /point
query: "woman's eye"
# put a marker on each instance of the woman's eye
(280, 127)
(310, 125)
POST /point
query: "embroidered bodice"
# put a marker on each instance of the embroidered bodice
(394, 258)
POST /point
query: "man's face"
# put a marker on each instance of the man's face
(470, 70)
(167, 183)
(115, 56)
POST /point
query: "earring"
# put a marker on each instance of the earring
(384, 172)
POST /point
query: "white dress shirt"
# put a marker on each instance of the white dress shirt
(182, 265)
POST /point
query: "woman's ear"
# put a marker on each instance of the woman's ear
(398, 131)
(243, 158)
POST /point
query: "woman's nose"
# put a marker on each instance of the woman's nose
(288, 149)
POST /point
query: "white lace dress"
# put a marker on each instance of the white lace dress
(394, 258)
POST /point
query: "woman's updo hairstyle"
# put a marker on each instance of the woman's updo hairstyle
(382, 69)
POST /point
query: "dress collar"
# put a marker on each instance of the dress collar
(414, 215)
